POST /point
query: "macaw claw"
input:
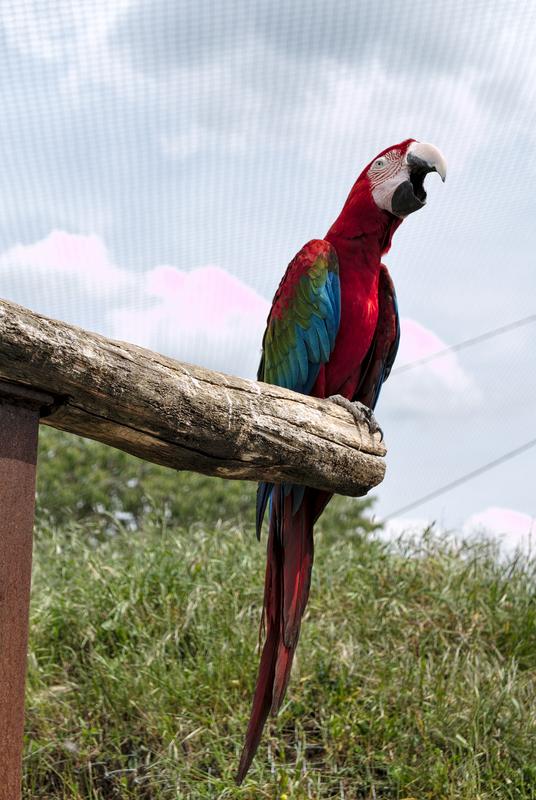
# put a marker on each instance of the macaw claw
(361, 413)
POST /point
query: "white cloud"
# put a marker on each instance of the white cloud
(510, 532)
(513, 530)
(440, 386)
(353, 97)
(67, 276)
(403, 528)
(62, 256)
(198, 139)
(332, 107)
(75, 37)
(431, 107)
(60, 29)
(335, 120)
(205, 316)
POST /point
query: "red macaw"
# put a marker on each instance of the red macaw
(332, 332)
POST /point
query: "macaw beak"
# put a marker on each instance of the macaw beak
(410, 195)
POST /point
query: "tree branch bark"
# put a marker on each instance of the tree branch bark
(183, 416)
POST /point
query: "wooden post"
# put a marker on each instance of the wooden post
(19, 422)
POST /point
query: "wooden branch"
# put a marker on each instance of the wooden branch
(183, 416)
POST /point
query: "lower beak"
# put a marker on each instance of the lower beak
(405, 200)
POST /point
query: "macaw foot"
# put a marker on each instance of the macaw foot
(360, 412)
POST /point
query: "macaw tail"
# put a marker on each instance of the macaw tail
(286, 590)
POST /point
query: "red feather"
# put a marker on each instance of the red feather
(286, 589)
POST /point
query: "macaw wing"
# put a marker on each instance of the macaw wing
(304, 319)
(301, 328)
(383, 349)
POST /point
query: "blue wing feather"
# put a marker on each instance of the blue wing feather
(301, 355)
(312, 344)
(333, 286)
(323, 338)
(301, 332)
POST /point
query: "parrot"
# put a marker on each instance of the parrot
(332, 332)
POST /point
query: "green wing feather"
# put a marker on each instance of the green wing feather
(304, 319)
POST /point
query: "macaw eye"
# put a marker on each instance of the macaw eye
(379, 163)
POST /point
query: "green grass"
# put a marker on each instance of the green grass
(415, 675)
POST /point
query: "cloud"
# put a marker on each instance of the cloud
(402, 528)
(333, 119)
(206, 60)
(61, 30)
(297, 78)
(199, 139)
(62, 255)
(440, 386)
(508, 530)
(205, 316)
(72, 36)
(237, 66)
(240, 76)
(67, 276)
(513, 530)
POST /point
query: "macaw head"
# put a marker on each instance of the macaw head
(396, 176)
(389, 188)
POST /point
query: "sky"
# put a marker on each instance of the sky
(162, 162)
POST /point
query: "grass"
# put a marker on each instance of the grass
(415, 675)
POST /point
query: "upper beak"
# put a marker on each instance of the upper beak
(410, 194)
(425, 157)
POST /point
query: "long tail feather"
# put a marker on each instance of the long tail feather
(286, 590)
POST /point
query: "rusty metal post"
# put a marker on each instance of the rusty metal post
(19, 421)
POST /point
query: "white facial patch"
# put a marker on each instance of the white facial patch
(385, 174)
(383, 192)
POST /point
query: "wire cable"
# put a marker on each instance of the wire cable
(482, 337)
(511, 326)
(463, 479)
